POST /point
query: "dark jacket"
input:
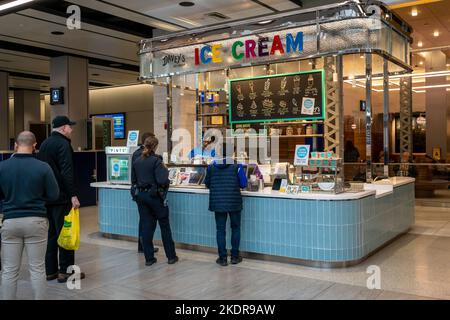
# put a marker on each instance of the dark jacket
(137, 154)
(150, 171)
(224, 182)
(57, 151)
(25, 185)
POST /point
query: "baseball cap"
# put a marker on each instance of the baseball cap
(60, 121)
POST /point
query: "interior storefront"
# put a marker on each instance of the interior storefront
(296, 85)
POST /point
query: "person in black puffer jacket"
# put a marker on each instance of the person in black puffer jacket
(224, 181)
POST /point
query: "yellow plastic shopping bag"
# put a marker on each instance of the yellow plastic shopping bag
(69, 238)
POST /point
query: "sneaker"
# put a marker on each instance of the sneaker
(222, 261)
(172, 261)
(236, 260)
(150, 262)
(53, 276)
(63, 277)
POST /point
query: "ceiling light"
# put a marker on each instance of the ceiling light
(57, 33)
(420, 44)
(421, 63)
(265, 22)
(447, 65)
(186, 4)
(414, 12)
(163, 40)
(13, 4)
(361, 56)
(436, 33)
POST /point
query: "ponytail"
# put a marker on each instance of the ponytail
(150, 145)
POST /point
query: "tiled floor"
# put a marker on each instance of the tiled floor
(416, 266)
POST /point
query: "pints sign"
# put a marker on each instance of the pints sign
(250, 49)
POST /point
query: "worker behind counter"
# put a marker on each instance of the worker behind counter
(205, 151)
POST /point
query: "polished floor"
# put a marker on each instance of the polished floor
(416, 266)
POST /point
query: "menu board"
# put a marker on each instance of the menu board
(292, 96)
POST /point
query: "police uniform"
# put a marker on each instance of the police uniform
(150, 182)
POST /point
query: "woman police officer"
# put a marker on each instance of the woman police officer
(150, 182)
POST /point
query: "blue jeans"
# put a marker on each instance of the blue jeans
(151, 211)
(221, 223)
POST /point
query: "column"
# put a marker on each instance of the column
(4, 111)
(27, 109)
(436, 105)
(71, 73)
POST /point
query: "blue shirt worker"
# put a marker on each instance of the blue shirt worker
(224, 181)
(25, 185)
(204, 151)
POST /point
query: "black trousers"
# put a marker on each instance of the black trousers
(151, 211)
(56, 215)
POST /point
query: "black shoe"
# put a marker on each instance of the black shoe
(222, 261)
(172, 261)
(53, 276)
(236, 260)
(63, 277)
(150, 262)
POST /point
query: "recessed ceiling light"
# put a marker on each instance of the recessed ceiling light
(421, 63)
(420, 44)
(265, 22)
(414, 12)
(57, 33)
(436, 33)
(186, 4)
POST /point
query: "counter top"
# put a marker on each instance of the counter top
(379, 188)
(395, 181)
(267, 193)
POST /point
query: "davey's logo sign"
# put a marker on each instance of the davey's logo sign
(176, 60)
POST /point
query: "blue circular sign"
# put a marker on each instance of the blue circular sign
(302, 152)
(133, 136)
(308, 104)
(116, 167)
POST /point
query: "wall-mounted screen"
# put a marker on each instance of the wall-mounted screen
(57, 96)
(119, 123)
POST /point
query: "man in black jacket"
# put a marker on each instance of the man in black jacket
(25, 185)
(58, 153)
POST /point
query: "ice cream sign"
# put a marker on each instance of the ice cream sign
(249, 49)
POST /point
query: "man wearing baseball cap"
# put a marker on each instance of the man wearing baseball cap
(58, 153)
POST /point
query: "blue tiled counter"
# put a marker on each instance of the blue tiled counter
(336, 230)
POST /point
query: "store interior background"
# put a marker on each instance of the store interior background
(31, 45)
